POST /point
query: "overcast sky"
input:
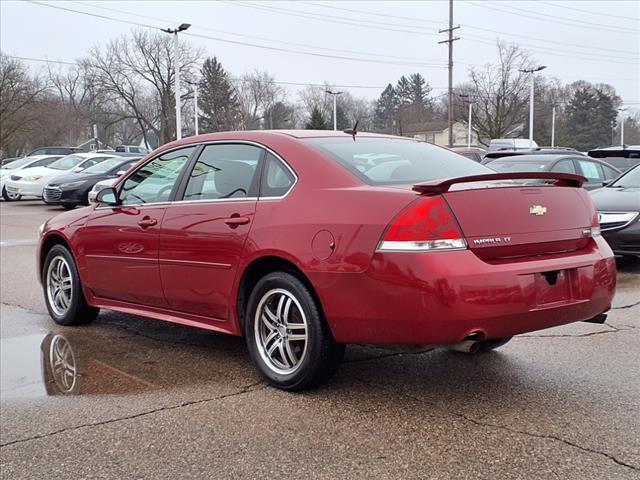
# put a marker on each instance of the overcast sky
(598, 41)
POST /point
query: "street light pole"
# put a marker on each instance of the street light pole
(195, 107)
(622, 110)
(553, 126)
(335, 107)
(531, 71)
(176, 61)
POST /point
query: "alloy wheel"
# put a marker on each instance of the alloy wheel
(63, 364)
(281, 331)
(59, 285)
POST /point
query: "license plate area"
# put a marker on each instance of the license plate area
(552, 287)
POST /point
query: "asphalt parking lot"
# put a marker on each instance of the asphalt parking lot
(156, 400)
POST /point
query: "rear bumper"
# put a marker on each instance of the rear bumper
(442, 297)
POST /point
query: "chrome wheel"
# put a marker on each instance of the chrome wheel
(59, 285)
(63, 364)
(281, 331)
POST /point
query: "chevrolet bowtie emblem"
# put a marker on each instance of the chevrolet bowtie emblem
(537, 210)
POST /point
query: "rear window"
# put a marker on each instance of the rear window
(504, 166)
(382, 161)
(66, 163)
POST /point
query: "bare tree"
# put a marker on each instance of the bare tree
(19, 93)
(499, 93)
(257, 93)
(138, 70)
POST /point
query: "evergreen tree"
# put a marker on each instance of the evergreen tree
(419, 91)
(588, 119)
(385, 110)
(403, 91)
(316, 121)
(217, 99)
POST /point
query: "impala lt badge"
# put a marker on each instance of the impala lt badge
(491, 241)
(537, 210)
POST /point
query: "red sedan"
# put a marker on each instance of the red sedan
(304, 241)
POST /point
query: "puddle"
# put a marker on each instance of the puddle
(45, 365)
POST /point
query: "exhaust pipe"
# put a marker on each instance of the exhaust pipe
(470, 344)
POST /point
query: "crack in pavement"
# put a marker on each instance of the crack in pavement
(506, 428)
(245, 389)
(622, 307)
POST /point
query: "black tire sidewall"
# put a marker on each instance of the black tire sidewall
(307, 373)
(77, 312)
(5, 195)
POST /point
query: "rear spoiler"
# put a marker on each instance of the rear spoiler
(561, 180)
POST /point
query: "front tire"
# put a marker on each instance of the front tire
(10, 197)
(288, 339)
(63, 290)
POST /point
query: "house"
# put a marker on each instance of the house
(438, 133)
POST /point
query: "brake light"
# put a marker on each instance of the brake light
(595, 220)
(426, 224)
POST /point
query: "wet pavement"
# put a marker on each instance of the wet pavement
(127, 397)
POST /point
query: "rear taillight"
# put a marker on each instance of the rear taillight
(426, 224)
(595, 220)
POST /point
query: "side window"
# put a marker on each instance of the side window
(42, 162)
(609, 173)
(224, 171)
(565, 166)
(154, 181)
(276, 179)
(591, 170)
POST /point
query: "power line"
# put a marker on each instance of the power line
(236, 79)
(546, 18)
(254, 36)
(417, 19)
(247, 44)
(599, 14)
(374, 25)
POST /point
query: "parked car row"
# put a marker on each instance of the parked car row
(61, 180)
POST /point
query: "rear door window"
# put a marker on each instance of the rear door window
(224, 171)
(277, 179)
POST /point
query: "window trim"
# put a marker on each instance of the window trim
(184, 177)
(263, 173)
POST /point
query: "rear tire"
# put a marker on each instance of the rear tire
(288, 339)
(63, 293)
(10, 197)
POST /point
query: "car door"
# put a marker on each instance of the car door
(120, 244)
(203, 236)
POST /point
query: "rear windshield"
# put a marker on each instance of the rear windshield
(66, 163)
(383, 161)
(630, 180)
(104, 166)
(504, 166)
(17, 163)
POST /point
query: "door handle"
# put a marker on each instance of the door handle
(235, 221)
(147, 222)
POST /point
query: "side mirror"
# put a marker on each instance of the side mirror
(120, 173)
(606, 183)
(108, 196)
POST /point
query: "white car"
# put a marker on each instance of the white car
(30, 182)
(93, 193)
(20, 164)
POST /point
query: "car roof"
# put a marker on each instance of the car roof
(91, 155)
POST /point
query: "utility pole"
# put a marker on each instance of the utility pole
(553, 126)
(450, 41)
(613, 131)
(531, 72)
(176, 61)
(622, 110)
(335, 107)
